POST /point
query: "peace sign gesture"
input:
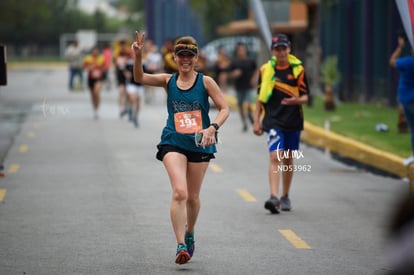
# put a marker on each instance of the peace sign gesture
(138, 44)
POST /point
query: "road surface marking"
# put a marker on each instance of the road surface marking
(13, 168)
(294, 239)
(215, 168)
(2, 194)
(246, 195)
(23, 148)
(30, 134)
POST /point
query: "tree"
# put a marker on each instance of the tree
(330, 77)
(41, 22)
(20, 18)
(131, 5)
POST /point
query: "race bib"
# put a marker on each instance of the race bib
(188, 122)
(96, 73)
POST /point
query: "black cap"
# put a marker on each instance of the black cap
(280, 40)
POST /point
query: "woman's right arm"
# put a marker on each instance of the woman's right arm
(159, 80)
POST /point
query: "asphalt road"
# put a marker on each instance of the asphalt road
(85, 196)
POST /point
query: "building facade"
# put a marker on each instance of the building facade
(168, 19)
(362, 34)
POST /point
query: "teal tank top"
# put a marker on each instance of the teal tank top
(188, 112)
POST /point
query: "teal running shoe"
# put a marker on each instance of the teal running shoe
(182, 256)
(189, 242)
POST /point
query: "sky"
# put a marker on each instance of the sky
(91, 5)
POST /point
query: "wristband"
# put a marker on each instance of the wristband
(215, 125)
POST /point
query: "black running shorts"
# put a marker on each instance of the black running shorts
(191, 156)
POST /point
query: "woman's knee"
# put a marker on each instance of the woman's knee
(193, 199)
(180, 194)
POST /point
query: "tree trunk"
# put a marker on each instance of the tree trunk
(329, 99)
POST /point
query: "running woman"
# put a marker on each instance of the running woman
(186, 162)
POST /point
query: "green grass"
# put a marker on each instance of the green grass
(358, 121)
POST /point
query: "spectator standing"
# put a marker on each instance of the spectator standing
(74, 56)
(405, 65)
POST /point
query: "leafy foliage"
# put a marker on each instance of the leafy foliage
(133, 5)
(43, 21)
(330, 72)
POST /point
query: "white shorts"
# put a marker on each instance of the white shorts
(135, 89)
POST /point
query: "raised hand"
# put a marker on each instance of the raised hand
(401, 41)
(138, 44)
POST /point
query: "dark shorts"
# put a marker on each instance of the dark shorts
(120, 77)
(244, 96)
(105, 75)
(191, 156)
(92, 82)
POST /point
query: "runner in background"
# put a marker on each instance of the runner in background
(135, 92)
(221, 65)
(152, 60)
(94, 63)
(121, 56)
(244, 73)
(107, 53)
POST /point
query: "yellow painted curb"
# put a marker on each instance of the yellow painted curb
(231, 101)
(319, 137)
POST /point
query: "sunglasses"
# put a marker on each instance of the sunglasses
(185, 54)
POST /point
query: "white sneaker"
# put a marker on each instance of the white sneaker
(408, 160)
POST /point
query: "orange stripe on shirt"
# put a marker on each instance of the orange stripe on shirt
(287, 89)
